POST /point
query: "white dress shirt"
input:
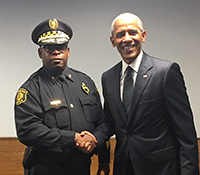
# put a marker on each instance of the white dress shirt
(135, 66)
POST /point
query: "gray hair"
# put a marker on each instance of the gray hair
(129, 15)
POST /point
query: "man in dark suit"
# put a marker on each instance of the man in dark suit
(153, 124)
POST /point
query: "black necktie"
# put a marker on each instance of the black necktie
(64, 85)
(128, 89)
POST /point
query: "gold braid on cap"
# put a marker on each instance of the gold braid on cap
(55, 36)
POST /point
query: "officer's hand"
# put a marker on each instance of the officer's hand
(103, 167)
(87, 146)
(85, 142)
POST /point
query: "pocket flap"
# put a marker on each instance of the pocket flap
(88, 101)
(163, 154)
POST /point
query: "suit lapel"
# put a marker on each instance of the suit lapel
(115, 85)
(142, 79)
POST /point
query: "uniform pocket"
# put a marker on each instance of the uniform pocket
(56, 114)
(90, 108)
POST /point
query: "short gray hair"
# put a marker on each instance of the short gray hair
(129, 15)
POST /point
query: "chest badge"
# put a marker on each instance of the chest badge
(85, 88)
(98, 90)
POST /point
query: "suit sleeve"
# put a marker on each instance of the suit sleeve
(181, 120)
(105, 130)
(107, 110)
(103, 133)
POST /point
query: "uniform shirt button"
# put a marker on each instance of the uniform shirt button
(71, 105)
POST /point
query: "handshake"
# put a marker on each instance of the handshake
(85, 141)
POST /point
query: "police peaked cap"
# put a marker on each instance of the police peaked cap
(51, 31)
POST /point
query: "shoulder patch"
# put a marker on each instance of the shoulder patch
(21, 96)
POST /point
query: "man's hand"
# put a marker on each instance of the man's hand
(85, 141)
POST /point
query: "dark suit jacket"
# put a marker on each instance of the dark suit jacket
(159, 137)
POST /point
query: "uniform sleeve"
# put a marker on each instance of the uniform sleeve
(29, 123)
(181, 120)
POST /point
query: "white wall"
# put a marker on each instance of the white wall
(173, 33)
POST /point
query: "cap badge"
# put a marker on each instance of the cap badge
(21, 96)
(85, 88)
(53, 23)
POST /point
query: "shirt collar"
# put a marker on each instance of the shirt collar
(68, 74)
(134, 65)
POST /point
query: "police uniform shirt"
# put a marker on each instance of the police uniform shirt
(49, 110)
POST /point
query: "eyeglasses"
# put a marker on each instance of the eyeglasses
(49, 48)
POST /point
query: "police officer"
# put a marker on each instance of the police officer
(55, 105)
